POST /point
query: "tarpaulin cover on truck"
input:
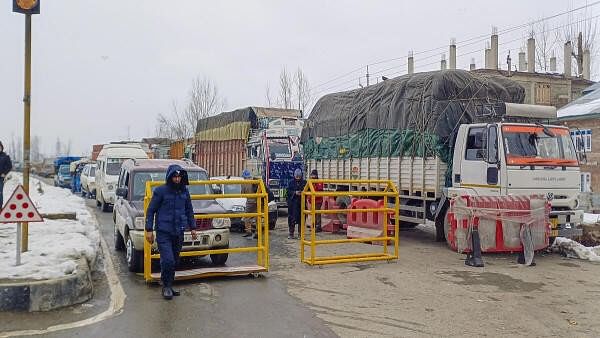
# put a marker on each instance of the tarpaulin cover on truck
(235, 125)
(410, 115)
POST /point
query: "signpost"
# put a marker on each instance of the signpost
(27, 7)
(18, 209)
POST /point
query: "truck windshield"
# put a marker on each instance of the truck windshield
(280, 147)
(113, 165)
(140, 179)
(531, 145)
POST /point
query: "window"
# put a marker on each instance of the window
(586, 182)
(542, 93)
(582, 139)
(475, 144)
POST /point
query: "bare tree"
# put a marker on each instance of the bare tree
(302, 87)
(285, 89)
(203, 101)
(68, 148)
(268, 99)
(546, 41)
(581, 30)
(35, 149)
(58, 147)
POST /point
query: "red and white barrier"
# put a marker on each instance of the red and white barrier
(501, 221)
(367, 224)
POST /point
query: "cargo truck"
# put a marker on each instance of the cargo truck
(262, 140)
(444, 134)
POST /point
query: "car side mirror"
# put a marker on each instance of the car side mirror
(121, 192)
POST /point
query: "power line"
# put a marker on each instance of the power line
(463, 54)
(467, 42)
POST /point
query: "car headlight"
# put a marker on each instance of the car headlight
(238, 208)
(111, 187)
(220, 223)
(140, 222)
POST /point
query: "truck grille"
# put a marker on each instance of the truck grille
(203, 224)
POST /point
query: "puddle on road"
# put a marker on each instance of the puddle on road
(503, 282)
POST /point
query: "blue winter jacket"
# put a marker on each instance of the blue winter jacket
(171, 208)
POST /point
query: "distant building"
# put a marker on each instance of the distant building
(546, 89)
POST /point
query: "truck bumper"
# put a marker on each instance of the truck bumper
(566, 223)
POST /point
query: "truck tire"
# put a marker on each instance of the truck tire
(133, 256)
(219, 259)
(118, 238)
(441, 224)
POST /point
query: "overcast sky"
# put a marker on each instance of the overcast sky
(105, 67)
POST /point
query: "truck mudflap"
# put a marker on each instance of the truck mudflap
(566, 223)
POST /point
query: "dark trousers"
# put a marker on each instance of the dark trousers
(169, 247)
(294, 214)
(1, 189)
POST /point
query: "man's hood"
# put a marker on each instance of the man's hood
(172, 169)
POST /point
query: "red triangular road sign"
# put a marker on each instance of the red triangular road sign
(19, 208)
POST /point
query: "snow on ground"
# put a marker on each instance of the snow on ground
(574, 249)
(55, 246)
(591, 218)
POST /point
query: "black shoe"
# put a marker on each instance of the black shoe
(175, 293)
(248, 234)
(167, 293)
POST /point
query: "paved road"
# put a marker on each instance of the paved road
(220, 307)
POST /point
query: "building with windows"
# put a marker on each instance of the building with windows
(548, 89)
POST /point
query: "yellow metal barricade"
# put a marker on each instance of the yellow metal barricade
(309, 192)
(262, 230)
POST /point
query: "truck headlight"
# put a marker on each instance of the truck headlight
(220, 223)
(111, 187)
(140, 222)
(574, 204)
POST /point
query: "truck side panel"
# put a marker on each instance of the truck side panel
(222, 158)
(412, 176)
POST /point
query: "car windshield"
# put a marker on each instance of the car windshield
(140, 179)
(280, 147)
(532, 145)
(113, 165)
(64, 169)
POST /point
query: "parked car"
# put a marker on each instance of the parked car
(63, 177)
(237, 204)
(109, 163)
(88, 181)
(128, 212)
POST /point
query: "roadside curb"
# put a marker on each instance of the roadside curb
(48, 294)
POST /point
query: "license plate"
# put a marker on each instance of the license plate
(199, 239)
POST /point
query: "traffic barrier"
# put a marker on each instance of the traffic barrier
(331, 222)
(368, 224)
(502, 221)
(389, 191)
(262, 230)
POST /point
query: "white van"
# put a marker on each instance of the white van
(108, 164)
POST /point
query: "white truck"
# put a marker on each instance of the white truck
(108, 164)
(508, 152)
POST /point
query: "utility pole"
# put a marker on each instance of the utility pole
(27, 7)
(367, 75)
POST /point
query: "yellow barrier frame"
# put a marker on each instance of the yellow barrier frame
(309, 192)
(262, 230)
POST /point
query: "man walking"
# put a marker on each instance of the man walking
(294, 199)
(172, 206)
(5, 168)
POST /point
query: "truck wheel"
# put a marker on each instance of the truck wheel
(442, 227)
(133, 256)
(219, 259)
(118, 238)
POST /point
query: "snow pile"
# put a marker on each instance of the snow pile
(55, 246)
(591, 218)
(574, 249)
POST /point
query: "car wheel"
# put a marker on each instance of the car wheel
(118, 238)
(133, 256)
(219, 259)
